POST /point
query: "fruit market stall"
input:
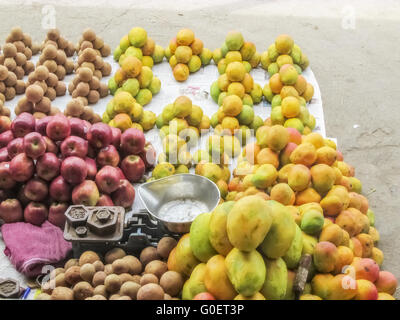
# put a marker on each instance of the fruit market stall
(100, 151)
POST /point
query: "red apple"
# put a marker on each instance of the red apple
(99, 135)
(124, 196)
(50, 145)
(48, 166)
(58, 128)
(86, 193)
(11, 211)
(5, 194)
(87, 125)
(35, 213)
(132, 141)
(74, 146)
(5, 138)
(60, 189)
(116, 137)
(6, 180)
(204, 296)
(23, 124)
(133, 168)
(15, 147)
(56, 213)
(5, 123)
(108, 156)
(41, 124)
(4, 155)
(149, 155)
(77, 127)
(121, 174)
(21, 167)
(91, 168)
(74, 170)
(36, 189)
(104, 201)
(107, 179)
(34, 145)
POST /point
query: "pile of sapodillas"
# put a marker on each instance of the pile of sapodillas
(48, 164)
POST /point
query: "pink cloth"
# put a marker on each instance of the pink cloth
(31, 247)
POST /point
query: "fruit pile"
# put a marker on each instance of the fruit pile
(56, 39)
(283, 51)
(116, 277)
(54, 54)
(137, 44)
(186, 54)
(236, 49)
(50, 163)
(10, 86)
(292, 196)
(86, 85)
(124, 112)
(136, 79)
(17, 52)
(89, 39)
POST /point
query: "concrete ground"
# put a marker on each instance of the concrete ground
(353, 50)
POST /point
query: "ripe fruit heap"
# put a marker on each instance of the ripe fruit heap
(50, 163)
(116, 277)
(136, 79)
(10, 86)
(55, 53)
(291, 195)
(89, 39)
(124, 112)
(236, 49)
(283, 51)
(186, 54)
(137, 44)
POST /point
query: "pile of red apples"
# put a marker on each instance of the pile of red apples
(48, 164)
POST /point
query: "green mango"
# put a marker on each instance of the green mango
(293, 255)
(312, 221)
(281, 234)
(199, 232)
(309, 243)
(246, 271)
(195, 284)
(275, 284)
(218, 234)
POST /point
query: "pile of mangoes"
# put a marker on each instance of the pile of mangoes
(136, 79)
(291, 196)
(283, 51)
(124, 112)
(186, 54)
(137, 44)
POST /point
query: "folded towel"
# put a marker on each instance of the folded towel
(30, 247)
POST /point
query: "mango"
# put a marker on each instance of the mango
(234, 40)
(386, 282)
(332, 205)
(366, 290)
(322, 177)
(293, 255)
(195, 284)
(186, 261)
(305, 154)
(282, 193)
(309, 297)
(216, 279)
(320, 285)
(345, 258)
(312, 221)
(256, 296)
(291, 275)
(342, 287)
(181, 72)
(248, 222)
(306, 196)
(299, 177)
(246, 271)
(367, 244)
(349, 220)
(162, 170)
(385, 296)
(275, 285)
(235, 71)
(326, 155)
(288, 73)
(309, 243)
(232, 105)
(332, 233)
(290, 107)
(199, 234)
(218, 235)
(267, 156)
(281, 233)
(264, 176)
(325, 256)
